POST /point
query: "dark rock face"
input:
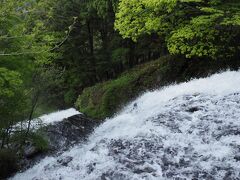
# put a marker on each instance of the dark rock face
(68, 132)
(61, 136)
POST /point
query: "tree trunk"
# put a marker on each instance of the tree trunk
(34, 104)
(90, 38)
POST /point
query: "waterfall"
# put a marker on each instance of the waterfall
(183, 131)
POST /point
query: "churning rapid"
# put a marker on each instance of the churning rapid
(185, 131)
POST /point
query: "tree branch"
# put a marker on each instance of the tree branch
(70, 28)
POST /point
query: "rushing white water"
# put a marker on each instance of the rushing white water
(185, 131)
(47, 119)
(58, 116)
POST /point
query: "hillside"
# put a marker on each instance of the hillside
(105, 99)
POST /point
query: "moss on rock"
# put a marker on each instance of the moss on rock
(105, 99)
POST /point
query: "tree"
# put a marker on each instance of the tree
(27, 46)
(12, 102)
(189, 27)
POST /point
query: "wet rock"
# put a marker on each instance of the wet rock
(61, 136)
(113, 175)
(30, 150)
(70, 131)
(193, 109)
(91, 167)
(146, 169)
(65, 160)
(237, 158)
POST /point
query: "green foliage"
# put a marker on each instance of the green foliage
(27, 46)
(50, 51)
(11, 97)
(199, 30)
(24, 33)
(119, 55)
(69, 96)
(9, 82)
(94, 52)
(189, 27)
(105, 99)
(36, 139)
(101, 100)
(102, 7)
(39, 141)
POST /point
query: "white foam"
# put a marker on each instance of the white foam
(47, 119)
(58, 116)
(161, 118)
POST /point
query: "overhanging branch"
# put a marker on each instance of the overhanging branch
(44, 51)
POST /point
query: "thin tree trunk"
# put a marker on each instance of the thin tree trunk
(3, 139)
(90, 38)
(8, 136)
(34, 104)
(35, 101)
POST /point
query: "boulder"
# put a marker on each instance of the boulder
(65, 160)
(29, 150)
(60, 136)
(68, 132)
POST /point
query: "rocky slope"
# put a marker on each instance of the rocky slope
(60, 135)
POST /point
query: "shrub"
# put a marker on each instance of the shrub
(39, 141)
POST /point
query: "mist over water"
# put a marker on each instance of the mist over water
(185, 131)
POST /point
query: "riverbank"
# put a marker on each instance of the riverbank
(54, 133)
